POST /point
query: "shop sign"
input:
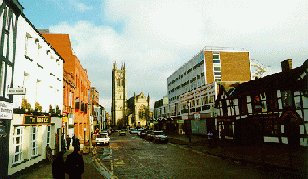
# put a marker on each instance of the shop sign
(33, 120)
(180, 121)
(16, 91)
(6, 110)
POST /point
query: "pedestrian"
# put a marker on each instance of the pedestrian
(74, 140)
(74, 165)
(68, 142)
(63, 146)
(77, 144)
(58, 167)
(210, 138)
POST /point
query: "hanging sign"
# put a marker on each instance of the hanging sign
(34, 120)
(6, 110)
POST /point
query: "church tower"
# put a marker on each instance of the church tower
(119, 95)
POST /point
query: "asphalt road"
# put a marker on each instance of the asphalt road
(132, 157)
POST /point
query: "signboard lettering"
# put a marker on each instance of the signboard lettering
(6, 110)
(16, 91)
(32, 120)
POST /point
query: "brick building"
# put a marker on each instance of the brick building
(77, 86)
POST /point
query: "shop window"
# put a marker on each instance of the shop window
(18, 140)
(271, 127)
(34, 144)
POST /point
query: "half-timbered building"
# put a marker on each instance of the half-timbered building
(270, 109)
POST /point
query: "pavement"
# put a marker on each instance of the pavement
(267, 156)
(44, 169)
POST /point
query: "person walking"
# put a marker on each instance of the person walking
(68, 142)
(74, 165)
(210, 138)
(58, 167)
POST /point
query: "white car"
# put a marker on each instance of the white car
(102, 138)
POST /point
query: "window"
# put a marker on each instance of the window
(256, 104)
(18, 139)
(34, 144)
(271, 101)
(77, 103)
(271, 127)
(217, 69)
(243, 106)
(216, 55)
(48, 135)
(217, 73)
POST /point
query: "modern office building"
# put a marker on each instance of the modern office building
(208, 66)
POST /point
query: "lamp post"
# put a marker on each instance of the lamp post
(189, 122)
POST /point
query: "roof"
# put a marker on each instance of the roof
(289, 79)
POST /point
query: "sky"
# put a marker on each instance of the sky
(156, 37)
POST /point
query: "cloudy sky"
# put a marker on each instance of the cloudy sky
(156, 37)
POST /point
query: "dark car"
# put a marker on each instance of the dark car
(148, 135)
(159, 137)
(143, 133)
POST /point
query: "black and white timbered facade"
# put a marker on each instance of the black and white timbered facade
(270, 109)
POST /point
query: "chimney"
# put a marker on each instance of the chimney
(43, 31)
(286, 65)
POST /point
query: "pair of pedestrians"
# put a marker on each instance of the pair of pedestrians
(73, 166)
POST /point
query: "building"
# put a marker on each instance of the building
(107, 120)
(119, 96)
(138, 110)
(194, 85)
(94, 104)
(10, 12)
(77, 95)
(33, 121)
(271, 109)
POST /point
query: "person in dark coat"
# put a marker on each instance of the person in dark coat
(74, 140)
(68, 142)
(58, 167)
(74, 165)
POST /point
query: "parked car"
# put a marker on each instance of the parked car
(122, 132)
(147, 137)
(143, 133)
(159, 137)
(102, 138)
(139, 130)
(133, 131)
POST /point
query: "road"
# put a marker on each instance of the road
(132, 157)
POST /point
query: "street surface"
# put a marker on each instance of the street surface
(132, 157)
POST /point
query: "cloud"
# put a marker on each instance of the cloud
(81, 7)
(159, 36)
